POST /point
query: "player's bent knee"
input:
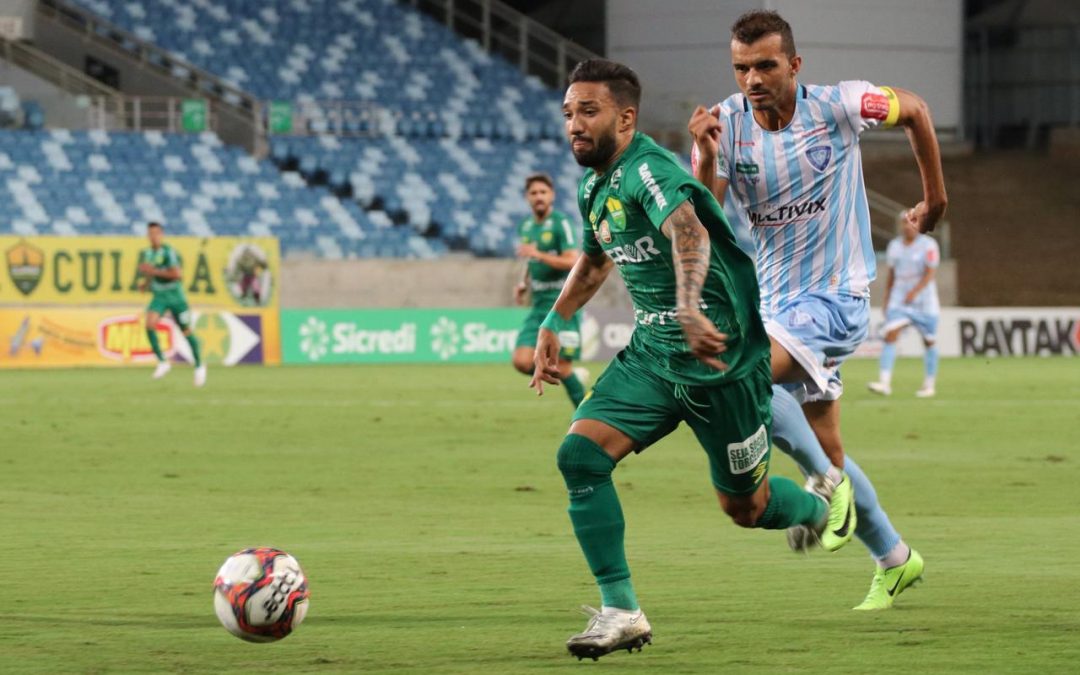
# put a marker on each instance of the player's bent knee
(580, 457)
(522, 361)
(744, 510)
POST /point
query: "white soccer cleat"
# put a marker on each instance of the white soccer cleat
(582, 376)
(163, 368)
(609, 630)
(879, 388)
(200, 375)
(925, 392)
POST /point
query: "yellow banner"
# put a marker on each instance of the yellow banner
(59, 337)
(218, 272)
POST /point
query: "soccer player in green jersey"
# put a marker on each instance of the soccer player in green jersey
(549, 244)
(699, 352)
(159, 267)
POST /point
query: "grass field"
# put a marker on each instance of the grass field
(427, 511)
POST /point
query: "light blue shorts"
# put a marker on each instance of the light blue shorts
(820, 331)
(904, 315)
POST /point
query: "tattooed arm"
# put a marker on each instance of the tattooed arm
(690, 256)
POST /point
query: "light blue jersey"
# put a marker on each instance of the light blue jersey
(800, 190)
(909, 263)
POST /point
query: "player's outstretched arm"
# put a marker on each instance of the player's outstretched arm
(916, 120)
(690, 252)
(586, 277)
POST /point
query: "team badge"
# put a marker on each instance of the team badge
(546, 237)
(25, 265)
(618, 214)
(819, 156)
(605, 231)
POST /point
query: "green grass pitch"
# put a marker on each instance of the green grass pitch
(426, 509)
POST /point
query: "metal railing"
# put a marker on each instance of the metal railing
(500, 29)
(150, 55)
(51, 70)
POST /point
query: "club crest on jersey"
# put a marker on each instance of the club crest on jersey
(819, 156)
(617, 213)
(546, 237)
(605, 231)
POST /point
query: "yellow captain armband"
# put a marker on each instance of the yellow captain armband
(894, 107)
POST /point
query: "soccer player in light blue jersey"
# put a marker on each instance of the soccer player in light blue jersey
(788, 155)
(912, 300)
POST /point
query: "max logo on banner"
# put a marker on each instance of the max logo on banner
(25, 265)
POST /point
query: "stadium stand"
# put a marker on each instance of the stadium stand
(377, 51)
(64, 182)
(429, 156)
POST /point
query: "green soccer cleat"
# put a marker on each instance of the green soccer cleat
(840, 526)
(888, 584)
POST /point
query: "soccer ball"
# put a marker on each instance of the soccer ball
(260, 594)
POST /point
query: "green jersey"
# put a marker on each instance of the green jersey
(552, 235)
(623, 210)
(162, 258)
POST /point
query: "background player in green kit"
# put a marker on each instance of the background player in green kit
(159, 266)
(549, 242)
(699, 352)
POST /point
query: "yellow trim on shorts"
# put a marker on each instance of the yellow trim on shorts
(894, 107)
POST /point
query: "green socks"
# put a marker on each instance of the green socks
(790, 505)
(597, 518)
(574, 389)
(151, 335)
(195, 351)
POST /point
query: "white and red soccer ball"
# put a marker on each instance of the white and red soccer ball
(261, 594)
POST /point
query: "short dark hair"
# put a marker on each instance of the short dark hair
(756, 24)
(621, 81)
(539, 178)
(152, 224)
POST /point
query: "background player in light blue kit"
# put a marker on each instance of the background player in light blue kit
(912, 300)
(788, 155)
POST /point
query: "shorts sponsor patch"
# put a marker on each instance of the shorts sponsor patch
(743, 457)
(569, 339)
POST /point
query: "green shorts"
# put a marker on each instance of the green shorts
(732, 422)
(172, 302)
(569, 340)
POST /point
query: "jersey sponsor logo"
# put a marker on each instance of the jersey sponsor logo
(874, 106)
(652, 187)
(589, 185)
(663, 318)
(1019, 337)
(617, 213)
(25, 264)
(640, 251)
(616, 179)
(819, 156)
(744, 456)
(748, 172)
(605, 231)
(546, 237)
(789, 213)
